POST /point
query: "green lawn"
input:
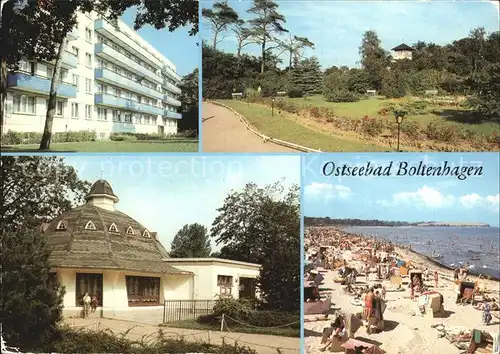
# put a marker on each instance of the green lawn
(282, 127)
(174, 145)
(371, 106)
(191, 324)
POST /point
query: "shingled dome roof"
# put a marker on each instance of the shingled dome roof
(403, 47)
(92, 237)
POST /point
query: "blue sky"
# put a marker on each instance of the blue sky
(165, 193)
(336, 27)
(475, 199)
(177, 46)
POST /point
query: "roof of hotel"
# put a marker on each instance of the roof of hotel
(212, 260)
(402, 46)
(84, 238)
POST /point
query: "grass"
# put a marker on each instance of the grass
(356, 110)
(174, 145)
(192, 324)
(282, 126)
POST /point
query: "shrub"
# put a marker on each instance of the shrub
(411, 129)
(12, 138)
(314, 112)
(371, 126)
(442, 132)
(16, 138)
(494, 138)
(122, 137)
(252, 95)
(295, 93)
(341, 96)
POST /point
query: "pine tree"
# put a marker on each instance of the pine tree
(32, 297)
(312, 76)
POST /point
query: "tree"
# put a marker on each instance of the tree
(485, 90)
(36, 189)
(267, 23)
(243, 35)
(336, 87)
(220, 17)
(373, 59)
(191, 241)
(393, 84)
(312, 76)
(32, 299)
(189, 101)
(37, 31)
(294, 45)
(262, 225)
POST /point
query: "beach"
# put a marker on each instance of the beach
(406, 330)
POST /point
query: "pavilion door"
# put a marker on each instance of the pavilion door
(247, 288)
(90, 283)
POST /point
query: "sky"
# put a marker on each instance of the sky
(177, 46)
(396, 198)
(164, 193)
(336, 27)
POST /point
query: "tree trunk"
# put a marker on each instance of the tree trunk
(240, 43)
(262, 66)
(49, 119)
(290, 60)
(215, 41)
(3, 93)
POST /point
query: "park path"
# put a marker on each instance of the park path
(263, 344)
(223, 132)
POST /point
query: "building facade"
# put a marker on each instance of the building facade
(402, 51)
(111, 80)
(97, 249)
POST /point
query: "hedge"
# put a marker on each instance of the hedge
(16, 138)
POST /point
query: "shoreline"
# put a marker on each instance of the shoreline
(472, 271)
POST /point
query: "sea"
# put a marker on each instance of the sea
(450, 246)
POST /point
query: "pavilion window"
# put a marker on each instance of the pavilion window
(130, 230)
(225, 284)
(113, 228)
(61, 225)
(90, 283)
(146, 234)
(143, 291)
(90, 226)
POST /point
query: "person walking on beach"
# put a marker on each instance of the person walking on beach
(436, 278)
(367, 271)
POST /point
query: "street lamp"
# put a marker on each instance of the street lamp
(272, 108)
(399, 119)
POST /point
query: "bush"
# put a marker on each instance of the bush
(314, 112)
(16, 138)
(411, 129)
(252, 95)
(341, 96)
(105, 341)
(441, 131)
(122, 137)
(295, 93)
(371, 126)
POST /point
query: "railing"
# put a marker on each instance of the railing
(181, 310)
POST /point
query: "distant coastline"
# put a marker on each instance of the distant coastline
(326, 221)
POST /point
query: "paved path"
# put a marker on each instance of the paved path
(263, 344)
(223, 132)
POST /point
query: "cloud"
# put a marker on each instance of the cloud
(327, 191)
(474, 200)
(424, 197)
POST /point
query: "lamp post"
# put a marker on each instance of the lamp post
(272, 108)
(399, 119)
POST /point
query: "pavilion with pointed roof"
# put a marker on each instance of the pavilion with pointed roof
(402, 51)
(101, 251)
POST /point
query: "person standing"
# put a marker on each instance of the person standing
(86, 305)
(436, 278)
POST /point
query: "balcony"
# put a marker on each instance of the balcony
(118, 102)
(171, 101)
(124, 40)
(166, 70)
(39, 85)
(173, 115)
(171, 87)
(73, 34)
(113, 78)
(105, 51)
(69, 60)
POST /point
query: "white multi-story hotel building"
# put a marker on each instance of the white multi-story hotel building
(112, 80)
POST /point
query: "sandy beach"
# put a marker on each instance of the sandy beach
(406, 329)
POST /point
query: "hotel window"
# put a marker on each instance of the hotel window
(50, 72)
(74, 110)
(75, 81)
(100, 63)
(118, 92)
(102, 114)
(142, 291)
(154, 120)
(88, 59)
(88, 86)
(24, 104)
(76, 52)
(116, 116)
(59, 107)
(99, 38)
(63, 74)
(147, 120)
(88, 34)
(88, 283)
(128, 118)
(24, 66)
(88, 111)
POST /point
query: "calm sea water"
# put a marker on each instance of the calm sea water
(457, 245)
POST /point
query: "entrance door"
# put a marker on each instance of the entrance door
(90, 283)
(161, 129)
(247, 288)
